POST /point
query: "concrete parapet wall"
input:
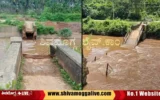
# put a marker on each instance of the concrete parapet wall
(9, 66)
(70, 60)
(9, 31)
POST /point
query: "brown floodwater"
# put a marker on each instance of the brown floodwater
(94, 45)
(136, 68)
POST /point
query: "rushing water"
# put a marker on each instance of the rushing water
(136, 68)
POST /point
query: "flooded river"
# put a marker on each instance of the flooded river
(136, 68)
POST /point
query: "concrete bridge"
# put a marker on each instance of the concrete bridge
(132, 39)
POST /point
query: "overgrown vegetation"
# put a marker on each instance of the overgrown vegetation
(65, 32)
(65, 17)
(41, 29)
(11, 22)
(153, 30)
(106, 27)
(66, 76)
(123, 9)
(78, 49)
(19, 85)
(54, 10)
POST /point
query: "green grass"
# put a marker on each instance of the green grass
(6, 16)
(1, 88)
(11, 16)
(78, 49)
(66, 77)
(59, 17)
(2, 25)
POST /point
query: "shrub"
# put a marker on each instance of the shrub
(66, 17)
(49, 29)
(20, 26)
(12, 22)
(86, 20)
(41, 29)
(153, 30)
(66, 32)
(106, 27)
(17, 23)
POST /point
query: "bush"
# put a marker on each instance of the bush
(12, 22)
(106, 27)
(66, 17)
(20, 26)
(17, 23)
(50, 29)
(153, 30)
(66, 32)
(41, 29)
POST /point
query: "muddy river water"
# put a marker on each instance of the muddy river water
(135, 68)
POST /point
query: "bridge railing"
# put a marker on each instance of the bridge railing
(126, 37)
(140, 32)
(128, 34)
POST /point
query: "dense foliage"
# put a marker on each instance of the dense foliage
(41, 29)
(123, 9)
(54, 10)
(66, 32)
(12, 22)
(153, 30)
(106, 27)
